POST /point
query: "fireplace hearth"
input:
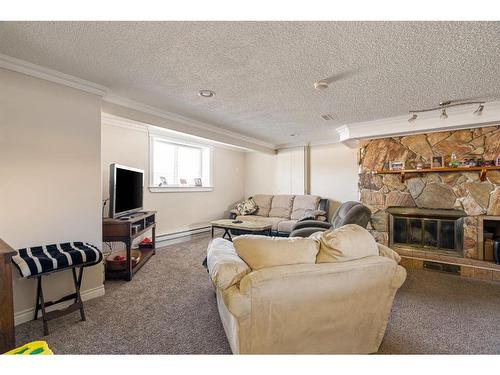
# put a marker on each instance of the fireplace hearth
(436, 230)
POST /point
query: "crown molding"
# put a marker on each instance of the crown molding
(37, 71)
(124, 123)
(110, 120)
(428, 122)
(191, 124)
(458, 118)
(334, 138)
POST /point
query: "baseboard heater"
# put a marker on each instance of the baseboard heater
(442, 267)
(182, 234)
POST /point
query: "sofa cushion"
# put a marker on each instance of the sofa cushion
(286, 225)
(247, 207)
(263, 202)
(346, 243)
(225, 267)
(281, 206)
(263, 252)
(274, 221)
(303, 204)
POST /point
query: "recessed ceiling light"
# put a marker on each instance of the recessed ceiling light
(293, 134)
(322, 84)
(206, 93)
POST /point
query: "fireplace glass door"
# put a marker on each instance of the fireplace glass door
(430, 233)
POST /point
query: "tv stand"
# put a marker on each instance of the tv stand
(126, 230)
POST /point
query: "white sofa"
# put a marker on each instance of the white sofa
(314, 308)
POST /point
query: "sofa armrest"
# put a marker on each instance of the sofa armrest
(305, 232)
(388, 252)
(233, 213)
(312, 224)
(225, 267)
(323, 205)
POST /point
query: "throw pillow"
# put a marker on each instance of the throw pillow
(247, 207)
(311, 215)
(263, 252)
(346, 243)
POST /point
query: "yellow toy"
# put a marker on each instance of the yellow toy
(31, 348)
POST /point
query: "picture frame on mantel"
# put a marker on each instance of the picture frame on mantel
(497, 161)
(396, 165)
(437, 161)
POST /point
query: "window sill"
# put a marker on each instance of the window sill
(180, 189)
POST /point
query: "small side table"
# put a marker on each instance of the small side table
(118, 230)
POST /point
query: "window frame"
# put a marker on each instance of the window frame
(180, 142)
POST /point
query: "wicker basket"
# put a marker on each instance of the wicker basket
(121, 265)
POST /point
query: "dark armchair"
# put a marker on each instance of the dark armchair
(348, 213)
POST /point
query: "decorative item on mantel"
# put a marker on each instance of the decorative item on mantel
(437, 161)
(454, 163)
(396, 165)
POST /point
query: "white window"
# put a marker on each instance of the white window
(178, 165)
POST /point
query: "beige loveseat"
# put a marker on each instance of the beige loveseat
(339, 307)
(283, 211)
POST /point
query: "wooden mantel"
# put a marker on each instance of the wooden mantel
(403, 172)
(7, 338)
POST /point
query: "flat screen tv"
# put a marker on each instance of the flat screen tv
(125, 190)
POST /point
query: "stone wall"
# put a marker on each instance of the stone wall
(453, 190)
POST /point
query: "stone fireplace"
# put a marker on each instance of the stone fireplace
(432, 216)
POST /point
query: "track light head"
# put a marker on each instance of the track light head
(479, 109)
(444, 115)
(413, 117)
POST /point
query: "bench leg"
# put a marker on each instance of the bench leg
(40, 304)
(38, 288)
(77, 280)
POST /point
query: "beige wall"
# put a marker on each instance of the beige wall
(333, 173)
(181, 211)
(289, 176)
(50, 186)
(260, 170)
(281, 173)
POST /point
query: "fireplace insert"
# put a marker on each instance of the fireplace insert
(427, 229)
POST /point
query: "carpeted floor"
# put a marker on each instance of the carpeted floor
(170, 308)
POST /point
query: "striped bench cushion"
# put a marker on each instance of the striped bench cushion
(42, 259)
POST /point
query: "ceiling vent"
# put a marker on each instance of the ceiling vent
(327, 116)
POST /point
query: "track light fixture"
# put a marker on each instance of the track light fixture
(447, 104)
(479, 109)
(413, 117)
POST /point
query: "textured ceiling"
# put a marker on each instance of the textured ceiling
(263, 72)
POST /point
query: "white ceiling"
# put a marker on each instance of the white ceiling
(263, 72)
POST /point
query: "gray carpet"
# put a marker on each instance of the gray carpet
(169, 308)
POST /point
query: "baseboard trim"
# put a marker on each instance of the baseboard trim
(182, 236)
(28, 314)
